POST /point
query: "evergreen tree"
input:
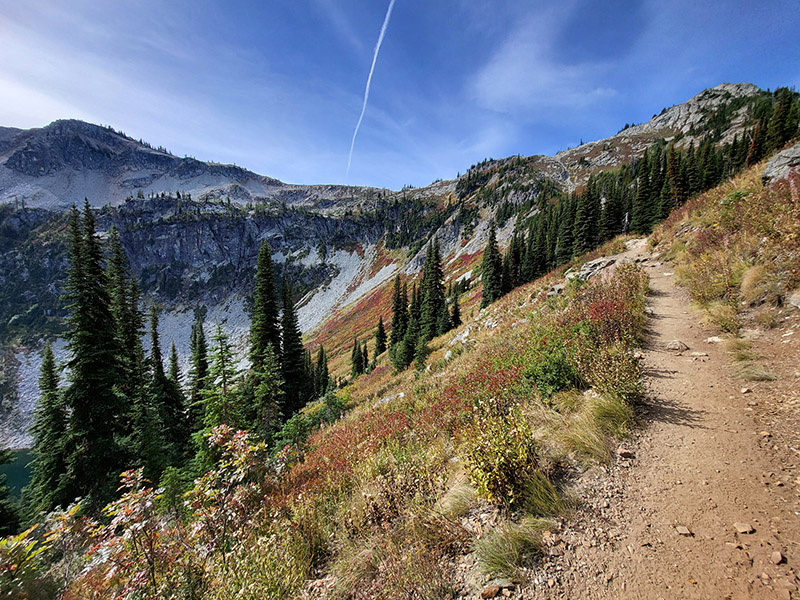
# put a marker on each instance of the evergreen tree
(268, 395)
(675, 181)
(399, 313)
(415, 308)
(156, 361)
(219, 397)
(49, 432)
(778, 132)
(565, 241)
(9, 520)
(164, 427)
(94, 456)
(356, 359)
(174, 369)
(124, 296)
(380, 338)
(693, 181)
(197, 374)
(292, 357)
(455, 315)
(609, 218)
(587, 216)
(364, 357)
(643, 204)
(264, 327)
(756, 151)
(491, 270)
(321, 374)
(307, 390)
(433, 303)
(665, 201)
(407, 349)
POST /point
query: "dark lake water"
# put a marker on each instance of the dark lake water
(17, 472)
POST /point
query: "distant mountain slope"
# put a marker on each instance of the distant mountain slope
(66, 161)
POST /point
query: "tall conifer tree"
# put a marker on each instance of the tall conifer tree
(49, 432)
(291, 357)
(94, 455)
(491, 270)
(264, 327)
(380, 338)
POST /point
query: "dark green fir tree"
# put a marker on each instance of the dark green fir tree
(49, 432)
(491, 270)
(380, 338)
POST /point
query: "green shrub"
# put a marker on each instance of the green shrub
(501, 456)
(297, 429)
(551, 363)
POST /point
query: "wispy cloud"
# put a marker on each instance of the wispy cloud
(525, 74)
(338, 19)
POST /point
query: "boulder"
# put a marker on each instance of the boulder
(677, 346)
(782, 165)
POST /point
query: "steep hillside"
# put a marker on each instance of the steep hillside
(192, 229)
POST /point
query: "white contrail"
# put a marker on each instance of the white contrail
(369, 81)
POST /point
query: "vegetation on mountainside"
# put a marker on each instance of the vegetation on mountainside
(636, 197)
(369, 484)
(736, 247)
(361, 495)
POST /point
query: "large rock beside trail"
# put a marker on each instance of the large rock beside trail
(590, 269)
(782, 165)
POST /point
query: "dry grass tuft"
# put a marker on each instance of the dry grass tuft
(755, 372)
(458, 499)
(739, 350)
(766, 317)
(759, 286)
(509, 547)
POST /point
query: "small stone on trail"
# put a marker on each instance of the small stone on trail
(490, 591)
(504, 584)
(776, 557)
(746, 391)
(684, 531)
(765, 434)
(699, 354)
(677, 346)
(714, 339)
(743, 528)
(626, 453)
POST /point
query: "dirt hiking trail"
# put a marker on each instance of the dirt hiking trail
(703, 499)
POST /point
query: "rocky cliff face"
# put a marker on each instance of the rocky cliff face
(192, 229)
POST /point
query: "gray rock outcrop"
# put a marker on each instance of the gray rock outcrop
(782, 165)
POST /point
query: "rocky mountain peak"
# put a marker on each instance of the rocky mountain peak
(681, 118)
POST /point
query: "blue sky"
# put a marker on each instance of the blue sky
(277, 86)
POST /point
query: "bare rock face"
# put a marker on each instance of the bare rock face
(782, 165)
(682, 117)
